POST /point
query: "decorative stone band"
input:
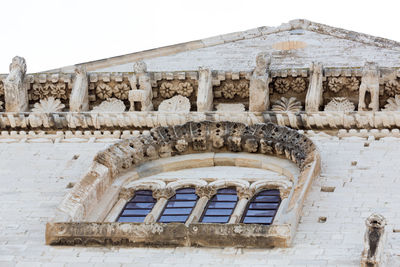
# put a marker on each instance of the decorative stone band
(146, 120)
(171, 235)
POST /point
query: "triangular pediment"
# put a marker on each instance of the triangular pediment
(292, 45)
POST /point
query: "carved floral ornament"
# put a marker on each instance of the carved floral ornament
(284, 85)
(48, 89)
(183, 143)
(106, 90)
(340, 104)
(336, 84)
(168, 89)
(287, 105)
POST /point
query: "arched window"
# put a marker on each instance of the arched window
(262, 208)
(179, 206)
(138, 207)
(219, 209)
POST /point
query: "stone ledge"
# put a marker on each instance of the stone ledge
(168, 235)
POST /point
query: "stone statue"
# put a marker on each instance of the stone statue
(141, 88)
(79, 99)
(259, 91)
(369, 83)
(205, 96)
(374, 241)
(15, 93)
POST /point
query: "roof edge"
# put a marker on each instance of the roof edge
(233, 37)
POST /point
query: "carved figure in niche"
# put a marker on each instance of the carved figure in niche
(79, 100)
(259, 90)
(141, 88)
(15, 93)
(177, 103)
(287, 105)
(369, 83)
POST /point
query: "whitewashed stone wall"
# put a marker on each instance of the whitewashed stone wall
(34, 178)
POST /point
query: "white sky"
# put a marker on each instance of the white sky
(56, 33)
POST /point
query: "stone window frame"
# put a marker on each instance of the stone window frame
(200, 144)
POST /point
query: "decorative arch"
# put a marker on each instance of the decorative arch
(121, 166)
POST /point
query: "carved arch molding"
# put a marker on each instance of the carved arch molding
(151, 152)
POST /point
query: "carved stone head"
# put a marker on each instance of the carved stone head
(139, 67)
(18, 63)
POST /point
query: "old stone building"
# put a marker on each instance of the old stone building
(276, 146)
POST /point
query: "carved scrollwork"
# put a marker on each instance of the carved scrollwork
(287, 105)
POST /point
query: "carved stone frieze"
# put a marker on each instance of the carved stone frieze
(287, 105)
(284, 85)
(168, 89)
(392, 87)
(340, 104)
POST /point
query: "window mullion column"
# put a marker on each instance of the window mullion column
(162, 196)
(124, 196)
(244, 195)
(205, 193)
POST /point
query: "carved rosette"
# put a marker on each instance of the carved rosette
(340, 104)
(282, 85)
(287, 84)
(206, 191)
(336, 84)
(231, 88)
(163, 193)
(170, 88)
(299, 85)
(287, 105)
(107, 88)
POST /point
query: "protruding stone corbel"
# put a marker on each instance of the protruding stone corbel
(141, 88)
(374, 241)
(205, 93)
(314, 93)
(259, 91)
(79, 99)
(15, 93)
(369, 83)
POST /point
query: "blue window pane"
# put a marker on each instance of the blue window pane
(266, 199)
(259, 220)
(223, 205)
(184, 197)
(131, 219)
(273, 192)
(182, 211)
(186, 190)
(138, 207)
(181, 204)
(215, 219)
(224, 198)
(142, 205)
(264, 206)
(227, 212)
(167, 219)
(265, 213)
(142, 198)
(135, 212)
(227, 191)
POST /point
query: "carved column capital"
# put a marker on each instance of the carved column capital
(284, 192)
(126, 193)
(163, 193)
(245, 193)
(206, 191)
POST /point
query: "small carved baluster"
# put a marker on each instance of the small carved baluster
(141, 88)
(314, 93)
(369, 83)
(259, 91)
(79, 99)
(15, 92)
(205, 93)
